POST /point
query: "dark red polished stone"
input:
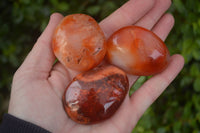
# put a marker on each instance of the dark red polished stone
(95, 95)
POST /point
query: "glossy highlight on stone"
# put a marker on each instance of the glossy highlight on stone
(78, 42)
(137, 51)
(95, 95)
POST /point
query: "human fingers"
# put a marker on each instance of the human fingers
(127, 14)
(164, 26)
(162, 29)
(151, 18)
(41, 57)
(151, 89)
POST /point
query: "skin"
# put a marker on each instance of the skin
(38, 85)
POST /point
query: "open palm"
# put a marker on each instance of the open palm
(38, 85)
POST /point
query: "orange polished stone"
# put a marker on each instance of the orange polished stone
(137, 51)
(79, 42)
(95, 95)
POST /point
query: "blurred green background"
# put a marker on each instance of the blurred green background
(178, 108)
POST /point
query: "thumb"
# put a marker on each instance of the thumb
(41, 57)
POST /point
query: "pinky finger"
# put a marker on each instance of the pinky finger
(152, 89)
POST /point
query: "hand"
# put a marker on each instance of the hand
(38, 85)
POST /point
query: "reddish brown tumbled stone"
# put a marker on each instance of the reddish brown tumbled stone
(95, 95)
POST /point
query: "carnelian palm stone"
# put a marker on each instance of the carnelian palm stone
(95, 95)
(79, 42)
(137, 51)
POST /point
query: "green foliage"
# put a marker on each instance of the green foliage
(178, 108)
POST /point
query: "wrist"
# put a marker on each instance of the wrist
(12, 124)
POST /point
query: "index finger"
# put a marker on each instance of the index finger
(127, 14)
